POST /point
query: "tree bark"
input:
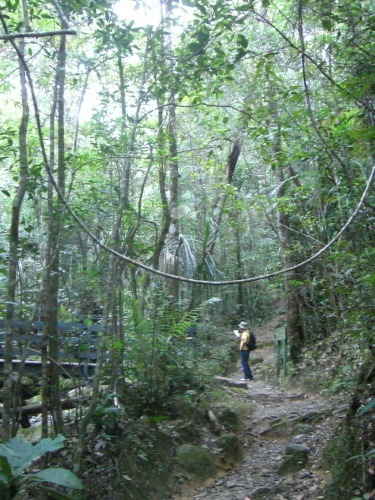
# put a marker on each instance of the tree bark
(293, 318)
(218, 206)
(14, 243)
(294, 325)
(172, 237)
(51, 385)
(113, 306)
(240, 288)
(209, 242)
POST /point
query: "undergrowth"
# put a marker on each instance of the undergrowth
(344, 368)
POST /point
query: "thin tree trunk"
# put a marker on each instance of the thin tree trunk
(54, 340)
(117, 268)
(166, 215)
(210, 239)
(293, 319)
(114, 283)
(14, 243)
(218, 206)
(169, 233)
(50, 348)
(172, 237)
(240, 289)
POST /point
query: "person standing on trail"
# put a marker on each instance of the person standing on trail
(244, 335)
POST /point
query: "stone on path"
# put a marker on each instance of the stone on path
(295, 458)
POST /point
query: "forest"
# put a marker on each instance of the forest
(169, 169)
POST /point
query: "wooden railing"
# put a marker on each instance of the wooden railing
(78, 346)
(77, 340)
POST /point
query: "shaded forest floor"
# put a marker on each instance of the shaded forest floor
(278, 414)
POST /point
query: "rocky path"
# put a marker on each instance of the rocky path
(279, 420)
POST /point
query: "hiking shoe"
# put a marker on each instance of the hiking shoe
(246, 379)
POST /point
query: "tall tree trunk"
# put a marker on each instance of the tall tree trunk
(219, 204)
(162, 171)
(113, 306)
(240, 287)
(293, 319)
(210, 239)
(168, 236)
(51, 383)
(116, 275)
(172, 236)
(14, 243)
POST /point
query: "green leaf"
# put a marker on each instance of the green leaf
(59, 476)
(245, 7)
(202, 8)
(3, 481)
(203, 36)
(369, 406)
(5, 470)
(242, 41)
(20, 454)
(240, 54)
(118, 345)
(194, 47)
(327, 24)
(47, 445)
(112, 410)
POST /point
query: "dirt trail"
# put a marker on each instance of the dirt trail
(277, 418)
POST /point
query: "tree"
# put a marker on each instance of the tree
(14, 238)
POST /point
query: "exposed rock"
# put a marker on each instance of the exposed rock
(231, 446)
(300, 439)
(196, 460)
(295, 458)
(297, 448)
(263, 493)
(232, 383)
(213, 422)
(230, 419)
(305, 428)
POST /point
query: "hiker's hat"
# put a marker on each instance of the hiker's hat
(242, 325)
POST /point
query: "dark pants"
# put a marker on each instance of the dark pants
(245, 364)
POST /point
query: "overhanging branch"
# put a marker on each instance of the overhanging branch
(40, 34)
